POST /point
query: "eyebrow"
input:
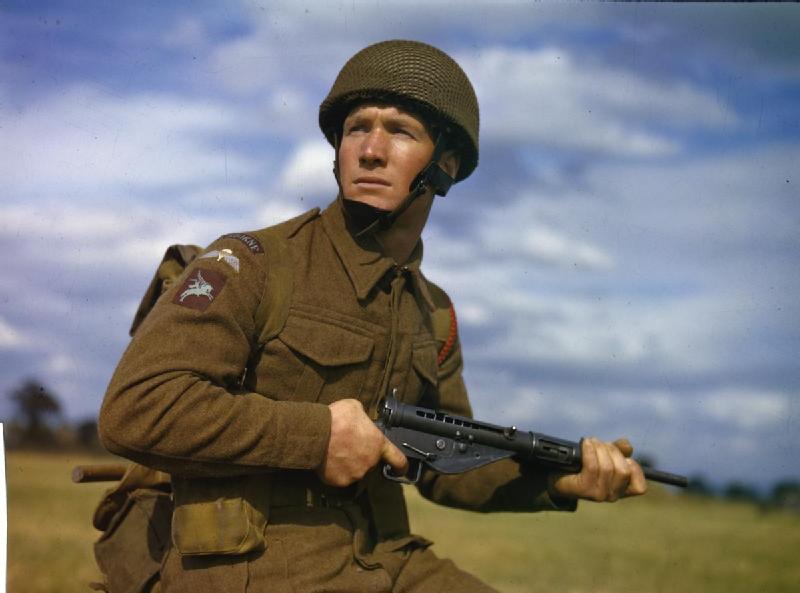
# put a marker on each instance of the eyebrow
(395, 118)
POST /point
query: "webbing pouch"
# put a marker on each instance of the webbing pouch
(219, 516)
(130, 551)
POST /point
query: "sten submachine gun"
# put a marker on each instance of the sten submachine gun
(454, 444)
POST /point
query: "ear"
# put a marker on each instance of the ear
(450, 162)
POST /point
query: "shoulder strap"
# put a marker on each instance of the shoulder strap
(276, 295)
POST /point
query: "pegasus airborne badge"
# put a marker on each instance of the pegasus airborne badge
(200, 289)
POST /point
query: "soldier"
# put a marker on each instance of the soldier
(255, 378)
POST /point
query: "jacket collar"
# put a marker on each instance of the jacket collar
(363, 260)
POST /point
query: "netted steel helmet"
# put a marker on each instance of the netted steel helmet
(414, 74)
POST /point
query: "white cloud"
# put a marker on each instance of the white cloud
(747, 410)
(473, 314)
(189, 33)
(547, 97)
(512, 231)
(309, 170)
(247, 64)
(86, 139)
(275, 211)
(732, 198)
(61, 364)
(104, 235)
(536, 319)
(10, 338)
(60, 220)
(682, 265)
(554, 247)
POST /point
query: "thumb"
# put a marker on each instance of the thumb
(625, 447)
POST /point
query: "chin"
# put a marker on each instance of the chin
(379, 202)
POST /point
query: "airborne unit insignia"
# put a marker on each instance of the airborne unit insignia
(225, 255)
(253, 244)
(199, 289)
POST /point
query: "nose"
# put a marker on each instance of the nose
(373, 149)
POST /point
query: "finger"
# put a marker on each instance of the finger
(621, 477)
(394, 457)
(589, 465)
(624, 445)
(605, 473)
(637, 484)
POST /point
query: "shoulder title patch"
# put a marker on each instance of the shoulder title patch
(200, 288)
(250, 241)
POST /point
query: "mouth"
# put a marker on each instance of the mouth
(372, 181)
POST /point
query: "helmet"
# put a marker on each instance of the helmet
(415, 74)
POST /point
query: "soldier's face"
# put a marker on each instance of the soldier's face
(382, 149)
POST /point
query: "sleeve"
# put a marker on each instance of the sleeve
(175, 401)
(505, 485)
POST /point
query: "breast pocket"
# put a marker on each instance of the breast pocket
(314, 360)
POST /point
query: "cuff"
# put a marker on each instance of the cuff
(301, 433)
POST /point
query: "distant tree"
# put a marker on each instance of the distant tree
(786, 495)
(86, 432)
(699, 486)
(740, 491)
(36, 408)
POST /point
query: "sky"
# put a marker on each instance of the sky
(623, 261)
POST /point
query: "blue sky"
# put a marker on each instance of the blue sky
(623, 260)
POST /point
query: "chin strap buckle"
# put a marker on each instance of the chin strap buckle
(435, 177)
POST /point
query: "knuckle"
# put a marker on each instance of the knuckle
(339, 481)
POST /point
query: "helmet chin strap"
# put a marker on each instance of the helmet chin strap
(368, 219)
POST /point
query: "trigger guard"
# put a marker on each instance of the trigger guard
(387, 473)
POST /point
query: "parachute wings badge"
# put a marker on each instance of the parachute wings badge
(225, 255)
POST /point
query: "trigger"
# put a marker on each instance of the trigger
(415, 471)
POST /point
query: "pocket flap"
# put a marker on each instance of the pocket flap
(325, 343)
(423, 359)
(224, 526)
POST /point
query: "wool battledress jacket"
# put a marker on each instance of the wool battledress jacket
(234, 404)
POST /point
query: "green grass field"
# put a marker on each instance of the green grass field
(661, 543)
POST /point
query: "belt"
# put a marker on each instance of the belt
(291, 491)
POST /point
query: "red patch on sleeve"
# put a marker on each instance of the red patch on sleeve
(200, 289)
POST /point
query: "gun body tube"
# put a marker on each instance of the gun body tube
(526, 446)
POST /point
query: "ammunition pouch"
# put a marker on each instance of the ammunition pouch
(220, 516)
(135, 518)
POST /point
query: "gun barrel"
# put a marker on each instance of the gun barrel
(665, 477)
(527, 446)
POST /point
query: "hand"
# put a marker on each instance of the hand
(607, 475)
(356, 446)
